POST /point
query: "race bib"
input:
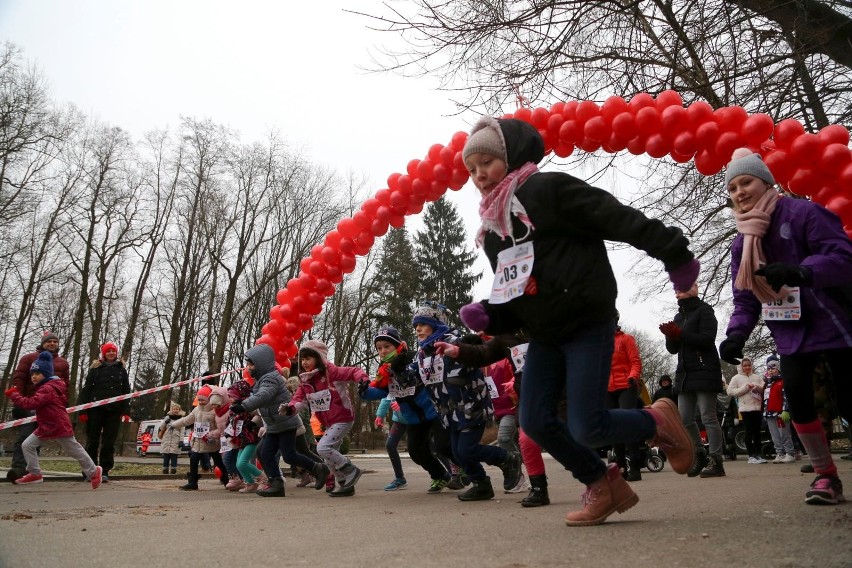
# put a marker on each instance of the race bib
(514, 267)
(519, 355)
(432, 370)
(320, 401)
(788, 308)
(492, 388)
(397, 392)
(200, 429)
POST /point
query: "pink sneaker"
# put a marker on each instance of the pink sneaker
(97, 477)
(825, 490)
(235, 484)
(250, 488)
(29, 478)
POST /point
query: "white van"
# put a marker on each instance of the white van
(152, 427)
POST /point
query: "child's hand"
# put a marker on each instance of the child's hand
(8, 392)
(363, 386)
(379, 422)
(286, 410)
(448, 349)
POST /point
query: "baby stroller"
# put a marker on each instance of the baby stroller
(653, 459)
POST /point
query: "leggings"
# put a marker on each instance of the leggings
(395, 434)
(753, 421)
(245, 463)
(798, 372)
(195, 457)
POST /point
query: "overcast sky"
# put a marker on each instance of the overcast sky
(292, 66)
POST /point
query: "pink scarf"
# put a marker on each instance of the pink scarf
(753, 226)
(496, 208)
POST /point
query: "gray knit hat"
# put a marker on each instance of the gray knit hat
(745, 162)
(486, 138)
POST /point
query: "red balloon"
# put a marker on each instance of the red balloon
(597, 129)
(347, 227)
(615, 143)
(396, 221)
(624, 125)
(563, 150)
(441, 173)
(524, 114)
(286, 311)
(834, 158)
(680, 158)
(674, 120)
(636, 146)
(291, 329)
(640, 101)
(780, 165)
(362, 220)
(803, 181)
(569, 111)
(841, 206)
(383, 196)
(318, 268)
(554, 123)
(786, 132)
(411, 167)
(570, 132)
(265, 340)
(685, 143)
(393, 181)
(557, 108)
(834, 134)
(300, 303)
(346, 246)
(434, 153)
(612, 107)
(731, 118)
(727, 143)
(316, 252)
(424, 170)
(305, 322)
(657, 146)
(757, 128)
(397, 200)
(369, 207)
(283, 296)
(587, 110)
(698, 113)
(296, 288)
(589, 145)
(330, 257)
(419, 188)
(335, 275)
(292, 350)
(275, 313)
(379, 228)
(325, 287)
(347, 263)
(806, 149)
(305, 264)
(707, 134)
(309, 281)
(648, 120)
(707, 163)
(668, 98)
(382, 215)
(540, 117)
(446, 156)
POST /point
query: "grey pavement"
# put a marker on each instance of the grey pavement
(754, 517)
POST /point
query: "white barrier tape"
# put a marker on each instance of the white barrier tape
(110, 400)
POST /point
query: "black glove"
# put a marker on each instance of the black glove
(362, 387)
(779, 274)
(401, 361)
(731, 350)
(237, 408)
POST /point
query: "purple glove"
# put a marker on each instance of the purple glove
(474, 316)
(683, 277)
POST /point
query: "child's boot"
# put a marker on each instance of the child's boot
(671, 436)
(321, 474)
(305, 479)
(174, 471)
(191, 482)
(715, 468)
(602, 498)
(480, 491)
(351, 475)
(274, 489)
(699, 462)
(511, 469)
(234, 483)
(165, 471)
(537, 496)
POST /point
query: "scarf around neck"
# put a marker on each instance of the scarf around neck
(496, 208)
(753, 226)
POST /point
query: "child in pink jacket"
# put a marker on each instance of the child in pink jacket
(324, 387)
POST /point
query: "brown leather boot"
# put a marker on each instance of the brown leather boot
(671, 436)
(608, 495)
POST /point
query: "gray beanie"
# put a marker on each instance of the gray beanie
(486, 138)
(745, 162)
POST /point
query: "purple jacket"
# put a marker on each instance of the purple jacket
(804, 233)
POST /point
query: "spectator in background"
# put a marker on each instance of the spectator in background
(665, 389)
(623, 392)
(107, 378)
(21, 381)
(747, 386)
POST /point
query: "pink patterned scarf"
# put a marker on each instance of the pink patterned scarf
(753, 226)
(496, 208)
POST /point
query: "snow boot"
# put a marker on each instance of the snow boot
(480, 491)
(537, 496)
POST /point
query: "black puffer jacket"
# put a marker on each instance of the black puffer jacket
(572, 221)
(698, 366)
(106, 380)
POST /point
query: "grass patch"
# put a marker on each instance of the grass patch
(120, 468)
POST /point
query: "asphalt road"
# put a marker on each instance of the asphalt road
(754, 517)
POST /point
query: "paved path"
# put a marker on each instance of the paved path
(754, 517)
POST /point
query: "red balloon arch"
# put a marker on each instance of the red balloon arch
(818, 166)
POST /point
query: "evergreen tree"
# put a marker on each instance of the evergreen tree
(398, 281)
(444, 263)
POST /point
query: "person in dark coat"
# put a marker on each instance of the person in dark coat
(21, 381)
(665, 389)
(107, 378)
(698, 379)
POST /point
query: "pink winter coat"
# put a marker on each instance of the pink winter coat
(48, 401)
(335, 380)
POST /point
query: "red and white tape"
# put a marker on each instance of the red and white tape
(103, 402)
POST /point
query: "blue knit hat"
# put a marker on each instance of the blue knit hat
(772, 362)
(389, 334)
(44, 364)
(432, 314)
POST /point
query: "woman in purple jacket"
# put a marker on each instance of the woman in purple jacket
(791, 263)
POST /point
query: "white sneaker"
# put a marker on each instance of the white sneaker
(788, 459)
(778, 459)
(752, 459)
(521, 487)
(759, 459)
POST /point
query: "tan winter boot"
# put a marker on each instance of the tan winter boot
(671, 436)
(608, 495)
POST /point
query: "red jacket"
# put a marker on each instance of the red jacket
(335, 380)
(21, 376)
(626, 363)
(501, 373)
(49, 400)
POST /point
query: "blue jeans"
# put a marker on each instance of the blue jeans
(469, 453)
(285, 442)
(577, 368)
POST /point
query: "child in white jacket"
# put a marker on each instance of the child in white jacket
(748, 388)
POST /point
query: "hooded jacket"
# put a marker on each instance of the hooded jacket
(747, 400)
(572, 220)
(201, 416)
(698, 366)
(170, 438)
(804, 233)
(626, 362)
(329, 380)
(269, 392)
(48, 401)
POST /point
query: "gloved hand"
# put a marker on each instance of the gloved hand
(683, 277)
(401, 361)
(474, 316)
(237, 408)
(83, 417)
(785, 416)
(632, 382)
(286, 410)
(448, 349)
(379, 422)
(671, 330)
(731, 349)
(363, 385)
(394, 406)
(8, 392)
(125, 418)
(779, 274)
